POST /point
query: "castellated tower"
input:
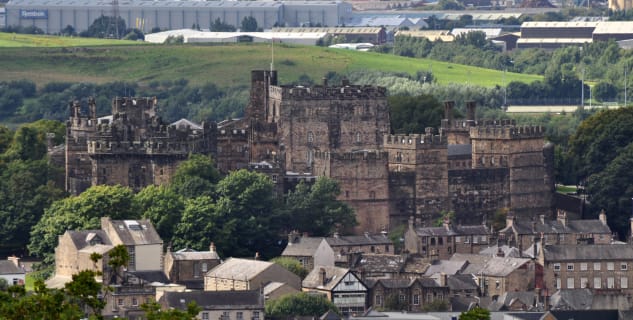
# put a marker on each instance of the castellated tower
(418, 176)
(132, 148)
(522, 151)
(363, 178)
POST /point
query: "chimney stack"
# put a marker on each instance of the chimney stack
(212, 247)
(443, 278)
(15, 260)
(509, 220)
(448, 111)
(322, 277)
(562, 217)
(471, 107)
(603, 217)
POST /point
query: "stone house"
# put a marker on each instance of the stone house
(463, 285)
(309, 251)
(501, 274)
(603, 267)
(562, 231)
(414, 293)
(74, 248)
(440, 243)
(366, 243)
(274, 290)
(188, 267)
(341, 286)
(378, 266)
(236, 274)
(225, 305)
(12, 272)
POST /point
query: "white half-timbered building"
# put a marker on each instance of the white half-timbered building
(341, 285)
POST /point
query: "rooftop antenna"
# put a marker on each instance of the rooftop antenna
(272, 53)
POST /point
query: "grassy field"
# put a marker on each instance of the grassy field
(28, 40)
(226, 65)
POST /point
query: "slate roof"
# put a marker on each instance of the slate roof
(557, 227)
(571, 299)
(446, 266)
(388, 263)
(81, 239)
(453, 231)
(507, 251)
(529, 299)
(364, 240)
(150, 276)
(393, 283)
(476, 262)
(136, 232)
(8, 267)
(190, 254)
(416, 265)
(501, 267)
(459, 150)
(236, 268)
(588, 252)
(459, 282)
(584, 314)
(332, 274)
(302, 247)
(214, 300)
(462, 303)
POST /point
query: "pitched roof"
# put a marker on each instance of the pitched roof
(214, 300)
(508, 251)
(333, 276)
(475, 261)
(184, 123)
(190, 254)
(571, 299)
(367, 239)
(136, 232)
(416, 265)
(453, 231)
(236, 268)
(150, 276)
(557, 227)
(584, 314)
(501, 267)
(84, 238)
(390, 263)
(8, 267)
(303, 247)
(448, 267)
(588, 252)
(458, 282)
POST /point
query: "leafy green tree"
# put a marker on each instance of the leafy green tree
(118, 258)
(393, 303)
(300, 304)
(106, 27)
(195, 177)
(85, 291)
(249, 24)
(154, 312)
(315, 209)
(6, 136)
(436, 306)
(26, 145)
(219, 26)
(77, 213)
(475, 314)
(198, 224)
(413, 114)
(163, 207)
(292, 265)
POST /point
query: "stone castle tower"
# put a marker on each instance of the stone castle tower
(133, 147)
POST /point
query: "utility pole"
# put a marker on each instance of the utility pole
(582, 89)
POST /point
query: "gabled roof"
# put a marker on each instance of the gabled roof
(214, 300)
(364, 240)
(583, 314)
(184, 123)
(136, 232)
(507, 299)
(416, 265)
(84, 238)
(507, 251)
(302, 247)
(8, 267)
(588, 252)
(501, 267)
(190, 254)
(239, 269)
(458, 282)
(453, 231)
(389, 263)
(333, 276)
(571, 299)
(557, 227)
(448, 267)
(150, 276)
(475, 261)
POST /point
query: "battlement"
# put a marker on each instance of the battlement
(149, 147)
(361, 155)
(348, 92)
(414, 141)
(122, 104)
(490, 131)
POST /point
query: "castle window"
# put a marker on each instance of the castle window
(432, 241)
(357, 137)
(492, 161)
(346, 194)
(310, 137)
(372, 195)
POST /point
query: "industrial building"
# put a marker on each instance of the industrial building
(552, 35)
(54, 15)
(195, 36)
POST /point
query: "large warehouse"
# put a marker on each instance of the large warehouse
(54, 15)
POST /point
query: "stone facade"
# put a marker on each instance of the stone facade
(472, 168)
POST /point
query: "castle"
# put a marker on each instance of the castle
(292, 133)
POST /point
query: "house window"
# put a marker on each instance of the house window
(623, 266)
(610, 266)
(584, 282)
(402, 298)
(429, 297)
(556, 266)
(120, 302)
(255, 314)
(225, 315)
(310, 137)
(624, 283)
(134, 302)
(205, 316)
(583, 266)
(610, 282)
(570, 283)
(570, 267)
(378, 300)
(239, 315)
(204, 267)
(357, 137)
(597, 283)
(440, 241)
(416, 299)
(450, 250)
(596, 266)
(458, 239)
(386, 248)
(497, 284)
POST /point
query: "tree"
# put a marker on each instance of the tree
(291, 265)
(393, 303)
(106, 27)
(475, 314)
(249, 24)
(26, 145)
(300, 304)
(163, 207)
(195, 177)
(219, 26)
(85, 291)
(413, 114)
(315, 209)
(77, 213)
(154, 312)
(118, 258)
(198, 225)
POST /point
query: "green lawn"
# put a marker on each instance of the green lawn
(565, 189)
(28, 40)
(226, 65)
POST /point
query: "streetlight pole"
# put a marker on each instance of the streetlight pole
(582, 89)
(505, 89)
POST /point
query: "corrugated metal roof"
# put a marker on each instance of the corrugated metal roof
(614, 27)
(339, 30)
(152, 3)
(559, 24)
(554, 40)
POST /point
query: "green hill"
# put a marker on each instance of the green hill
(99, 61)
